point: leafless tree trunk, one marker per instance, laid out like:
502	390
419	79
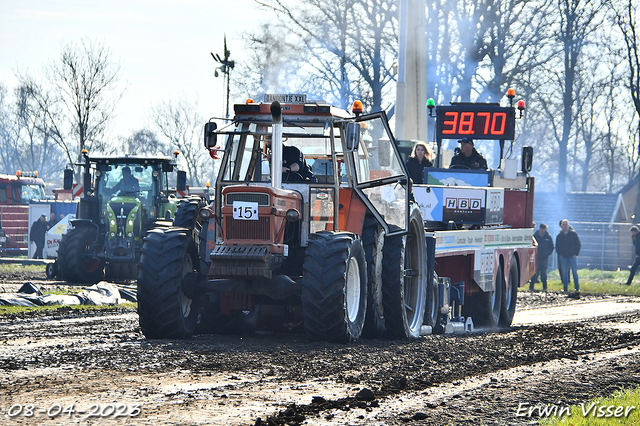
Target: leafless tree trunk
181	125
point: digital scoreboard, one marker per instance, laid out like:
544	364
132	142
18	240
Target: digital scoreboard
475	121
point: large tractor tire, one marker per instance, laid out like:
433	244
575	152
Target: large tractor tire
166	306
485	307
76	256
187	212
510	295
334	287
373	242
404	276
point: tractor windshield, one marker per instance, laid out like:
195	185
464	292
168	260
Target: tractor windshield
31	192
128	180
249	160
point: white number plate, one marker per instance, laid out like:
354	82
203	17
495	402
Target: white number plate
243	210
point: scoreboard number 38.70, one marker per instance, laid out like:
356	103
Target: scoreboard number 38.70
475	121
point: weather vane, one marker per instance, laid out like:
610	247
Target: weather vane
226	65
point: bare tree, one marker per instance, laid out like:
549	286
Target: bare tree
627	19
181	125
350	46
273	66
77	103
143	142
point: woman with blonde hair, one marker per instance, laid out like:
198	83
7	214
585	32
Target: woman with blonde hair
420	157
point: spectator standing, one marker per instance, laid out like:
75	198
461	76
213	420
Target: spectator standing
420	157
634	238
37	233
545	248
52	221
568	247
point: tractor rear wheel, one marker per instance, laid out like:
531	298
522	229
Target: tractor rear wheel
373	242
167	307
404	275
510	295
77	256
334	287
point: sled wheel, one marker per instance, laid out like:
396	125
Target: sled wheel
510	295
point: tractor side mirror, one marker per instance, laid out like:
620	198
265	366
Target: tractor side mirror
181	183
527	159
210	137
68	179
353	136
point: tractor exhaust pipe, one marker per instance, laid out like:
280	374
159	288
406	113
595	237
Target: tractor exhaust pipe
276	145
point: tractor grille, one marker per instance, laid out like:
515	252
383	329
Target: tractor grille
252	197
247	229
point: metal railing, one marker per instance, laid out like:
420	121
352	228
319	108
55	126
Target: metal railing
605	246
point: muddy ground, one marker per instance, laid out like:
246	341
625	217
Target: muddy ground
101	365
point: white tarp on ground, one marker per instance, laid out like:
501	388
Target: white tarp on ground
103	293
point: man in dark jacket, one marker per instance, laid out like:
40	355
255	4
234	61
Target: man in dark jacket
545	248
37	233
568	247
634	237
467	156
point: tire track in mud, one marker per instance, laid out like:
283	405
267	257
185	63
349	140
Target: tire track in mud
238	379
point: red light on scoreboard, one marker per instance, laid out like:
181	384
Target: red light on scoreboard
476	121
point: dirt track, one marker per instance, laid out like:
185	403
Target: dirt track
102	360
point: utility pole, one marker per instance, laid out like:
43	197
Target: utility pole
226	65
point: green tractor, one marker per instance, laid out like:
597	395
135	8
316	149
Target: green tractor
123	198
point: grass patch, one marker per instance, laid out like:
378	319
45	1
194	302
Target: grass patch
8	268
595	281
8	310
601	411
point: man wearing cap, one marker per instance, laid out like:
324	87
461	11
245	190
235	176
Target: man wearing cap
128	185
467	156
634	237
38	230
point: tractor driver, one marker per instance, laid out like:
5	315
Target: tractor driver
467	157
128	184
294	166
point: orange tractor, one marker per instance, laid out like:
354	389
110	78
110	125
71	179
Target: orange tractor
345	251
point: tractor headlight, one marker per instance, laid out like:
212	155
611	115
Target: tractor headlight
113	234
130	223
112	222
130	234
110	214
133	215
205	213
293	215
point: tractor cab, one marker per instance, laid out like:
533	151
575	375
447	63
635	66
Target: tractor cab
355	166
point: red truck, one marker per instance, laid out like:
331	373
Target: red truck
16	192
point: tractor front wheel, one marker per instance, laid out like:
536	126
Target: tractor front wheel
77	256
167	307
334	287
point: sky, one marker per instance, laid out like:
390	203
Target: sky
164	47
